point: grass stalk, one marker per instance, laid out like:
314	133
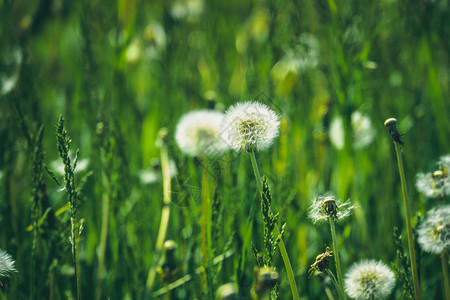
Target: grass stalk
205	225
408	222
165	214
336	284
282	247
104	231
445	275
336	258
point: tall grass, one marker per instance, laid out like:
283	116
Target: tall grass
118	72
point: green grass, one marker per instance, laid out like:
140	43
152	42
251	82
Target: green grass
75	59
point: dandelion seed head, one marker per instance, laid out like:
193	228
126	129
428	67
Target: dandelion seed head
198	133
328	206
434	230
369	279
6	264
435	184
363	131
250	126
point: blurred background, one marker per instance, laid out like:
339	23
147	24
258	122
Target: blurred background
118	71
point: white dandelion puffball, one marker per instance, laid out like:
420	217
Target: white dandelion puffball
6	264
250	126
435	184
434	230
363	131
328	206
198	133
369	279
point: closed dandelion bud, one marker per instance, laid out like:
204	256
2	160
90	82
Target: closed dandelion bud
267	278
369	279
227	292
391	125
434	230
250	127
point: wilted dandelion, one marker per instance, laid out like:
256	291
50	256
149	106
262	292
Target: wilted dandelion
435	184
328	206
369	279
198	133
250	126
363	131
6	264
434	231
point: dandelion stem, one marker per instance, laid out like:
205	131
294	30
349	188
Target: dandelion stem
408	221
335	283
284	254
336	256
165	214
445	275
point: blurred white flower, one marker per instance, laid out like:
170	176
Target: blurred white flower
434	230
250	126
155	40
189	10
198	133
328	206
155	173
134	51
58	165
435	184
369	279
303	57
6	264
363	131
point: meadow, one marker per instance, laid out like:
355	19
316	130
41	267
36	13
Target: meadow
91	93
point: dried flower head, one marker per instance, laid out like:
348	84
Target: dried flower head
6	264
250	126
328	206
198	133
321	264
435	184
434	230
369	279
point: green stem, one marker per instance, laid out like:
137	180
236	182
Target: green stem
336	256
104	232
282	247
408	222
445	275
206	237
75	255
335	283
165	215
